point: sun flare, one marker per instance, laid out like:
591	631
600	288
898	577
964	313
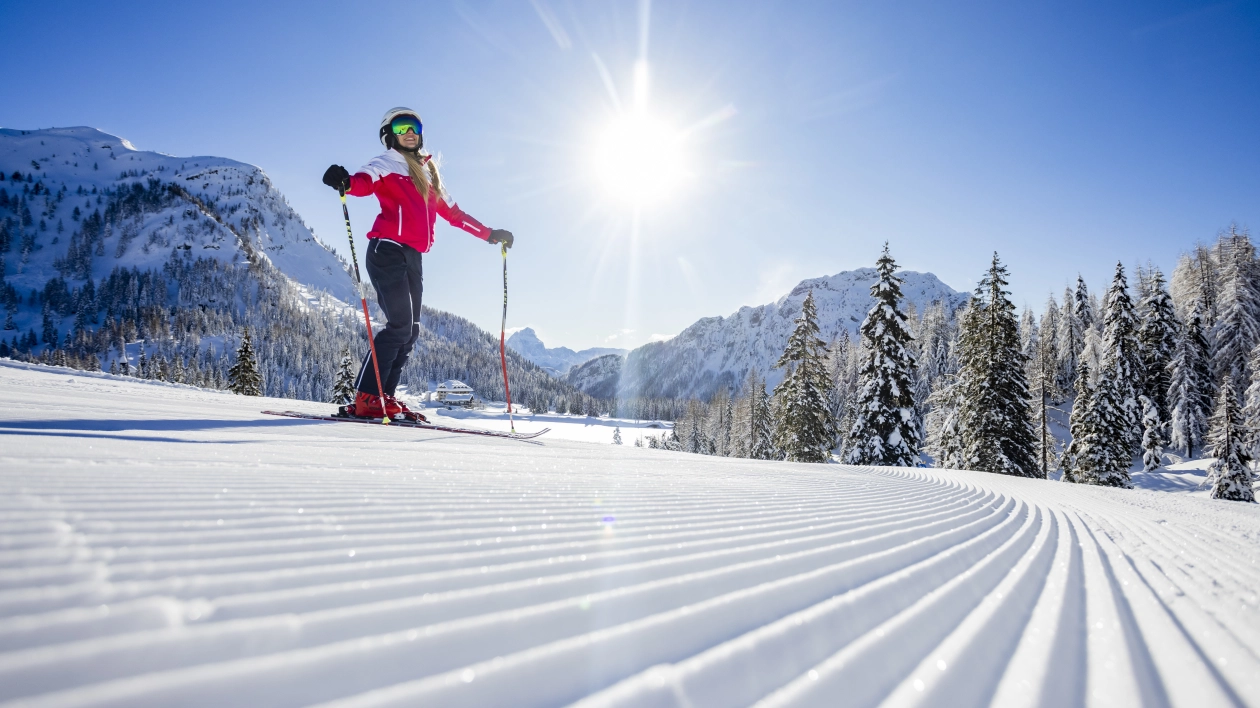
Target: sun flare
640	159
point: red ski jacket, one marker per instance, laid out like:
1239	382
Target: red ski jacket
405	216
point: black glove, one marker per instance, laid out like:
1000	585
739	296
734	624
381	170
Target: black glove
501	236
338	178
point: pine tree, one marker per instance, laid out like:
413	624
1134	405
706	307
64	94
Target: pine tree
944	440
1083	426
994	418
1122	365
886	430
1094	457
1158	339
1048	348
1229	475
49	327
1042	374
1029	337
1251	406
1152	436
1113	449
1237	329
803	427
617	435
936	347
1071	342
761	434
1189	392
343	386
1082	304
244	377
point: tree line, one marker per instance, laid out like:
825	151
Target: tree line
1156	365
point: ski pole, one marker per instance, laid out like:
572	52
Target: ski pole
367	320
502	350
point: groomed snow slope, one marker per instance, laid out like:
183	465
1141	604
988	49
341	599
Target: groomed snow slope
161	545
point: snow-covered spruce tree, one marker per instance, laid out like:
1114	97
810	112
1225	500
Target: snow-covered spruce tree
1189	390
1048	347
761	428
1122	365
1083	426
1157	337
840	392
1094	457
740	416
617	435
944	439
803	428
1229	475
1083	304
1152	436
885	429
1029	337
243	376
937	355
1071	341
846	377
343	386
1237	329
994	418
1114	453
1041	373
1251	406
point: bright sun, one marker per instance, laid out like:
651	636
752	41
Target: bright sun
640	159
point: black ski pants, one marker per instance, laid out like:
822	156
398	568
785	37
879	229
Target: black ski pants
398	277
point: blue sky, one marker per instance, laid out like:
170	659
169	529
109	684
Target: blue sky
1064	135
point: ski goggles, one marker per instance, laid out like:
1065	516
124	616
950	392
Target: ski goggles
404	124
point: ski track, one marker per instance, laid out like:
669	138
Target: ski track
161	545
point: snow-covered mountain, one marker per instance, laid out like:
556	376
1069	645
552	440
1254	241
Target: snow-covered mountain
209	207
597	377
718	352
556	360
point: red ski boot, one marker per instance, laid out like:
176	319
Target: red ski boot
368	405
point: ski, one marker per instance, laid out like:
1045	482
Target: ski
411	424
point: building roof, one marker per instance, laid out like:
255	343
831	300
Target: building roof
454	385
457	397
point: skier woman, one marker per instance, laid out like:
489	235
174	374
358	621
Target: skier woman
406	182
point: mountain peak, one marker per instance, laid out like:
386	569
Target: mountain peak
718	352
555	360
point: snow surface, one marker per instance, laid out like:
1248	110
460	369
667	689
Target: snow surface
162	545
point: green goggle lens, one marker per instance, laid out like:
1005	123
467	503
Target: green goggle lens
404	124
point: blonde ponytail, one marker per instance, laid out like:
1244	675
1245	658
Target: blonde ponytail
424	173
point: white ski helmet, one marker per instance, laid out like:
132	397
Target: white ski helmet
390	115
